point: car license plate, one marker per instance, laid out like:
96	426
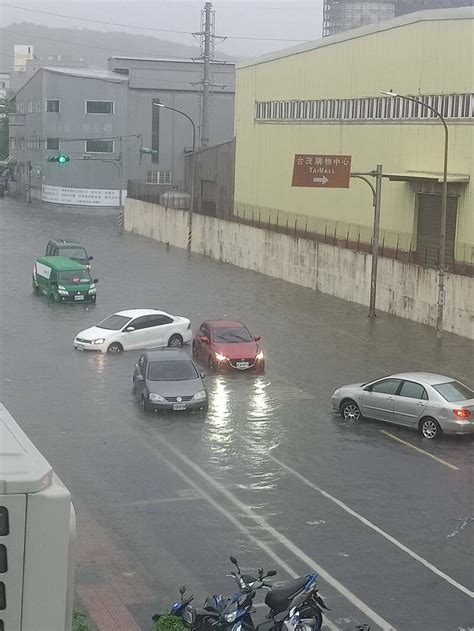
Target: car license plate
79	297
242	364
179	406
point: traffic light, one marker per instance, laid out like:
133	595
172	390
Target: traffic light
61	159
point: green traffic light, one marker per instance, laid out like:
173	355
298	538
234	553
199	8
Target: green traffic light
62	159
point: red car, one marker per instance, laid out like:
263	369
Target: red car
228	344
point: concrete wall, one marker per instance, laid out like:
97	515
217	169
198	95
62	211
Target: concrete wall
404	290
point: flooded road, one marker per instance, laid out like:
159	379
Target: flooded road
270	475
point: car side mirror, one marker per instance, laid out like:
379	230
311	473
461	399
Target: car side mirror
182	590
90	258
129	329
96	280
271	573
257	338
368	388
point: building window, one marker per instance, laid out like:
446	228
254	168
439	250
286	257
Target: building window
99	107
52	144
52	106
99	146
158	177
155	130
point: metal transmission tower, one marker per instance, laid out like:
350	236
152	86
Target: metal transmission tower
207	53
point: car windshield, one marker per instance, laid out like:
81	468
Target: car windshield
454	391
74	277
171	371
232	334
114	323
74	253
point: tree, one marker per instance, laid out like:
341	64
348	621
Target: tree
4	144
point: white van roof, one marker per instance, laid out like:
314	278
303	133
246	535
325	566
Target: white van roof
23	469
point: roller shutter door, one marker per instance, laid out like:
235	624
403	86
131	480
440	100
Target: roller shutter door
429	226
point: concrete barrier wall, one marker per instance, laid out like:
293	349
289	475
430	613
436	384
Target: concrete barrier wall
404	289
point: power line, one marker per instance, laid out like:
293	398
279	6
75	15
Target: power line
149	28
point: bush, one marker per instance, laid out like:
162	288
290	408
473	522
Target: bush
169	623
80	622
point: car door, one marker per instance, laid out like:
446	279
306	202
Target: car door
165	328
136	338
378	399
410	403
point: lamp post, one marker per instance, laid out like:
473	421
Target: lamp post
444	202
193	167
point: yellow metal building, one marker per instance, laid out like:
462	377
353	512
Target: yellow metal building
325	98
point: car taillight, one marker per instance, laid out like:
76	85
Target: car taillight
462	413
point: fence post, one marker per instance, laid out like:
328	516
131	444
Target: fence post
306	230
268	221
296	221
383	246
347	239
334	239
396	251
287	225
259	218
325	233
426	254
278	217
409	253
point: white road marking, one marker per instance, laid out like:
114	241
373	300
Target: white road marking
372	526
162	500
422	451
280	538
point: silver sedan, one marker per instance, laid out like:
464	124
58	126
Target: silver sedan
432	404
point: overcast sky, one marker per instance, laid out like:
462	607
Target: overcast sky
291	20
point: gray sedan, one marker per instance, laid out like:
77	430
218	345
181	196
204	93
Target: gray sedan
430	403
169	379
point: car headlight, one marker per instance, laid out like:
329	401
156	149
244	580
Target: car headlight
156	397
260	356
99	340
220	357
200	396
62	291
230	617
92	289
336	392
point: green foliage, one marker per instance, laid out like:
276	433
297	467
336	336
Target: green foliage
3	129
80	622
169	623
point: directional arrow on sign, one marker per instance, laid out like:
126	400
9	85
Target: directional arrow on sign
321	180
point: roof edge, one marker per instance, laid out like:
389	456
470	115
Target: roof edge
433	15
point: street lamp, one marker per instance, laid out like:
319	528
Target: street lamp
444	201
193	167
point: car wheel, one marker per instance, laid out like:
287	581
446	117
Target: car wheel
115	347
175	341
350	411
429	428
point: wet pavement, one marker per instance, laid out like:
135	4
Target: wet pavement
271	475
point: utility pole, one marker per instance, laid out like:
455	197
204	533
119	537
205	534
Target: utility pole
376	201
29	168
208	36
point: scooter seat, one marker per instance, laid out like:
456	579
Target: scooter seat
278	598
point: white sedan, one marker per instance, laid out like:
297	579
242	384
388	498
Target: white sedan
135	329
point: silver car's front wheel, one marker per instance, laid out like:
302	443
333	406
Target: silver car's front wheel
429	428
350	411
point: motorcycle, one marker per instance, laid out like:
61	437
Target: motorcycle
294	606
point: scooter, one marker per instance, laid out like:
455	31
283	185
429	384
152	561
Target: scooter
294	606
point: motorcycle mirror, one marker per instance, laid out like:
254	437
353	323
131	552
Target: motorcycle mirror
233	560
182	590
271	573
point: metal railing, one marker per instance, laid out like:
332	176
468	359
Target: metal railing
401	246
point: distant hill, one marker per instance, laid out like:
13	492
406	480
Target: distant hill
94	47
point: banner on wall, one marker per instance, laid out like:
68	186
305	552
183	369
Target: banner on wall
81	196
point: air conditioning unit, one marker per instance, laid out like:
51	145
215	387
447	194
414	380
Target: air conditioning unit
37	536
